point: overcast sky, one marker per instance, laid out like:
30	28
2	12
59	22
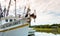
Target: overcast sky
47	11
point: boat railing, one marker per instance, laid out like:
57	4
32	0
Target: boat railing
13	23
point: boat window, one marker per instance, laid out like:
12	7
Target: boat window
11	20
14	19
6	20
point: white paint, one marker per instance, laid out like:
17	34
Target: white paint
17	32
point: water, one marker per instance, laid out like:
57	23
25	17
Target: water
45	34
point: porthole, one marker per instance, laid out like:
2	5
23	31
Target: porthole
11	20
6	20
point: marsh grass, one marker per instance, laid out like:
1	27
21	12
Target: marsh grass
48	30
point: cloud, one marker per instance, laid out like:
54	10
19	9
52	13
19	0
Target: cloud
47	11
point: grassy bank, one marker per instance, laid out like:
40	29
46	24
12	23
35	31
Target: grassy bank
54	28
48	30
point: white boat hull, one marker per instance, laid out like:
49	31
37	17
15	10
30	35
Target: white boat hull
22	31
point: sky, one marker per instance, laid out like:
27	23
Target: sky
47	11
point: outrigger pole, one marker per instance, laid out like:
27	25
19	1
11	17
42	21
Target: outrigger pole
15	8
8	8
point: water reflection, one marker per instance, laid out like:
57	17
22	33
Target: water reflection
45	34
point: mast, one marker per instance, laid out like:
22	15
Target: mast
0	11
8	8
15	8
33	15
28	13
4	11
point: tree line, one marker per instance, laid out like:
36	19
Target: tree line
47	26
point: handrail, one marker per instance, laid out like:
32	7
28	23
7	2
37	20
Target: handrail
11	24
13	28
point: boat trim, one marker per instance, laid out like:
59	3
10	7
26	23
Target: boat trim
21	26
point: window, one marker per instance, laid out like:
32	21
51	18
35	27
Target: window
11	20
6	20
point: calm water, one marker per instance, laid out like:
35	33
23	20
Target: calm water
45	34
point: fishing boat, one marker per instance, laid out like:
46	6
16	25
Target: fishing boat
14	25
